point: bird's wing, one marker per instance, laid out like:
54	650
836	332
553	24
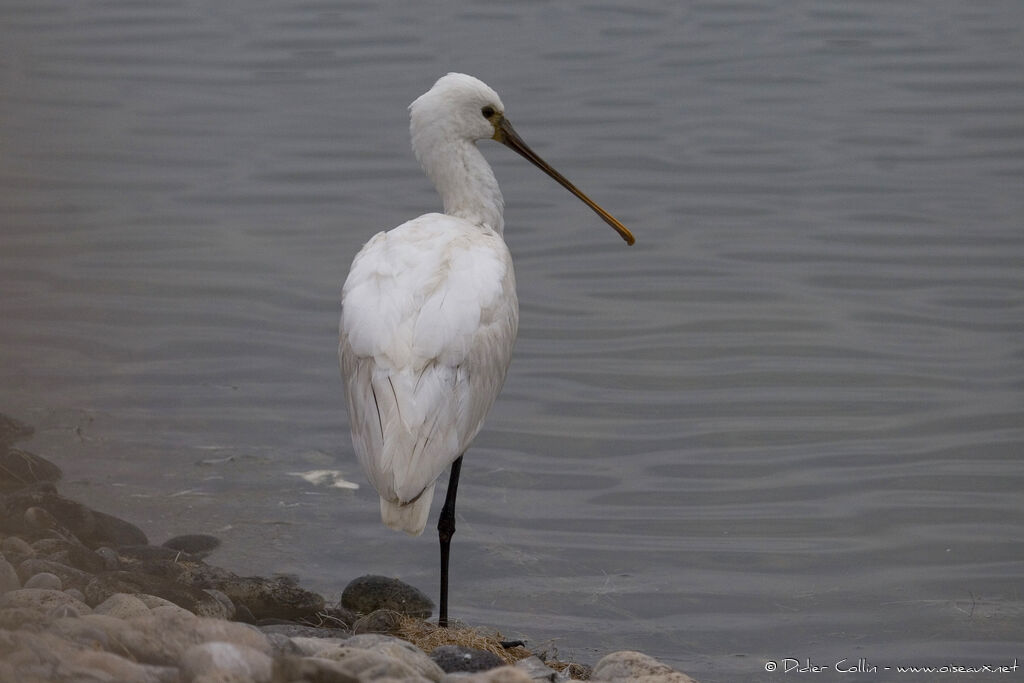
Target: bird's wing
429	316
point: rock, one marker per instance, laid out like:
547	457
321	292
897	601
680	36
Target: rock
503	674
35	509
45	580
370	665
311	669
68	553
399	650
69	576
198	602
371	592
162	636
76	594
122	606
226	661
12	430
633	667
196	545
13	618
107	666
136	554
20	468
80	631
339	617
111	560
459	658
224	600
303	631
14	547
380	621
45	602
40	519
9	579
538	670
276	598
113	531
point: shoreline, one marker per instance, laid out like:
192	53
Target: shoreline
85	596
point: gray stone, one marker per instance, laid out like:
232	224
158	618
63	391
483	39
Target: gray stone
227	661
162	637
45	580
196	545
68	553
503	674
224	600
41	600
112	531
9	580
539	671
371	664
69	576
197	601
122	606
107	666
312	669
634	667
371	592
379	621
20	468
459	658
12	547
301	630
270	598
110	558
400	650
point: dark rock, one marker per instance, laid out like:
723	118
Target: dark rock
69	576
369	593
278	598
380	621
115	532
458	658
68	553
244	614
193	599
197	545
37	508
9	579
45	580
338	617
20	468
40	519
12	430
138	554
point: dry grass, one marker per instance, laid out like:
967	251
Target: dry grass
427	636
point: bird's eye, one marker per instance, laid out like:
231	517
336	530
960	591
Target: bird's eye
487	111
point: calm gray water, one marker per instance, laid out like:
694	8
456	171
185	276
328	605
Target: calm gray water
789	422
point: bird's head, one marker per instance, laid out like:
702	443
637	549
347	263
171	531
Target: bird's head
463	106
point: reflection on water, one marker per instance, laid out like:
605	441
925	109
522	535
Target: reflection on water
787	423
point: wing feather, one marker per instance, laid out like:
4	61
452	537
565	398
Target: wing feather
429	317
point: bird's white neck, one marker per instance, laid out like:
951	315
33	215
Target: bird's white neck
464	180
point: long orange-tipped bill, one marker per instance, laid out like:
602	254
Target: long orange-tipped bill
506	135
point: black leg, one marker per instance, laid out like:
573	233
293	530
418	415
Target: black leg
445	531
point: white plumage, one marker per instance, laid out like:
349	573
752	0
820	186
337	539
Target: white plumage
429	312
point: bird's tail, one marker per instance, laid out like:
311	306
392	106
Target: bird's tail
409	517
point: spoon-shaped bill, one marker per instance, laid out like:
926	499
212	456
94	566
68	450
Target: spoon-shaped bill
506	135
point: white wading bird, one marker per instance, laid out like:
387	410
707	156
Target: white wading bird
429	314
